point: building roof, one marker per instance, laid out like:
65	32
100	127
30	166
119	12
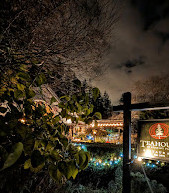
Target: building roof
45	93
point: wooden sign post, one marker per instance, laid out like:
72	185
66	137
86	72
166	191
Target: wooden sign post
126	142
126	108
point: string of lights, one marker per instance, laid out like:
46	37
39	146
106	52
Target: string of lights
110	125
98	162
107	124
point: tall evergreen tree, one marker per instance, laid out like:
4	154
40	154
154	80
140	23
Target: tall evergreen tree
107	112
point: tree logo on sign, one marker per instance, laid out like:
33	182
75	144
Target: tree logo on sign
159	131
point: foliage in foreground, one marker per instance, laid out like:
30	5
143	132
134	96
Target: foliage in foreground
30	137
138	185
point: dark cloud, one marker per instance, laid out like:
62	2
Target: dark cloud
130	64
152	11
163	36
136	54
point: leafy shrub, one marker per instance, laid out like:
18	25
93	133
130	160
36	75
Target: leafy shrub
139	183
32	140
113	185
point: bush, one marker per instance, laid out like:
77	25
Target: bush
112	184
139	183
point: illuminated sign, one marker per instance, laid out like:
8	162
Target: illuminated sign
153	139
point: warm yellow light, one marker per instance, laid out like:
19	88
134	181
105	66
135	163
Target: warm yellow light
162	164
148	153
92	124
94	131
69	121
100	161
109	124
22	121
139	159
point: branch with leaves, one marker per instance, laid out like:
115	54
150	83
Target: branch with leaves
32	138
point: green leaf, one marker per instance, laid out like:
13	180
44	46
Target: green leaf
87	112
30	93
82	158
61	105
64	141
28	144
50	146
18	94
20	87
56	119
3	109
55	155
41	79
23	76
62	166
85	164
71	149
65	97
91	108
97	115
76	156
67	168
63	113
36	159
43	142
52	100
74	169
38	169
35	61
75	172
55	173
2	90
27	164
79	107
24	68
13	156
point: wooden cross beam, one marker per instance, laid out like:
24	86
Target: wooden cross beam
126	108
142	107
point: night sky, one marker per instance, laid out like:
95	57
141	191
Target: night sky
140	47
